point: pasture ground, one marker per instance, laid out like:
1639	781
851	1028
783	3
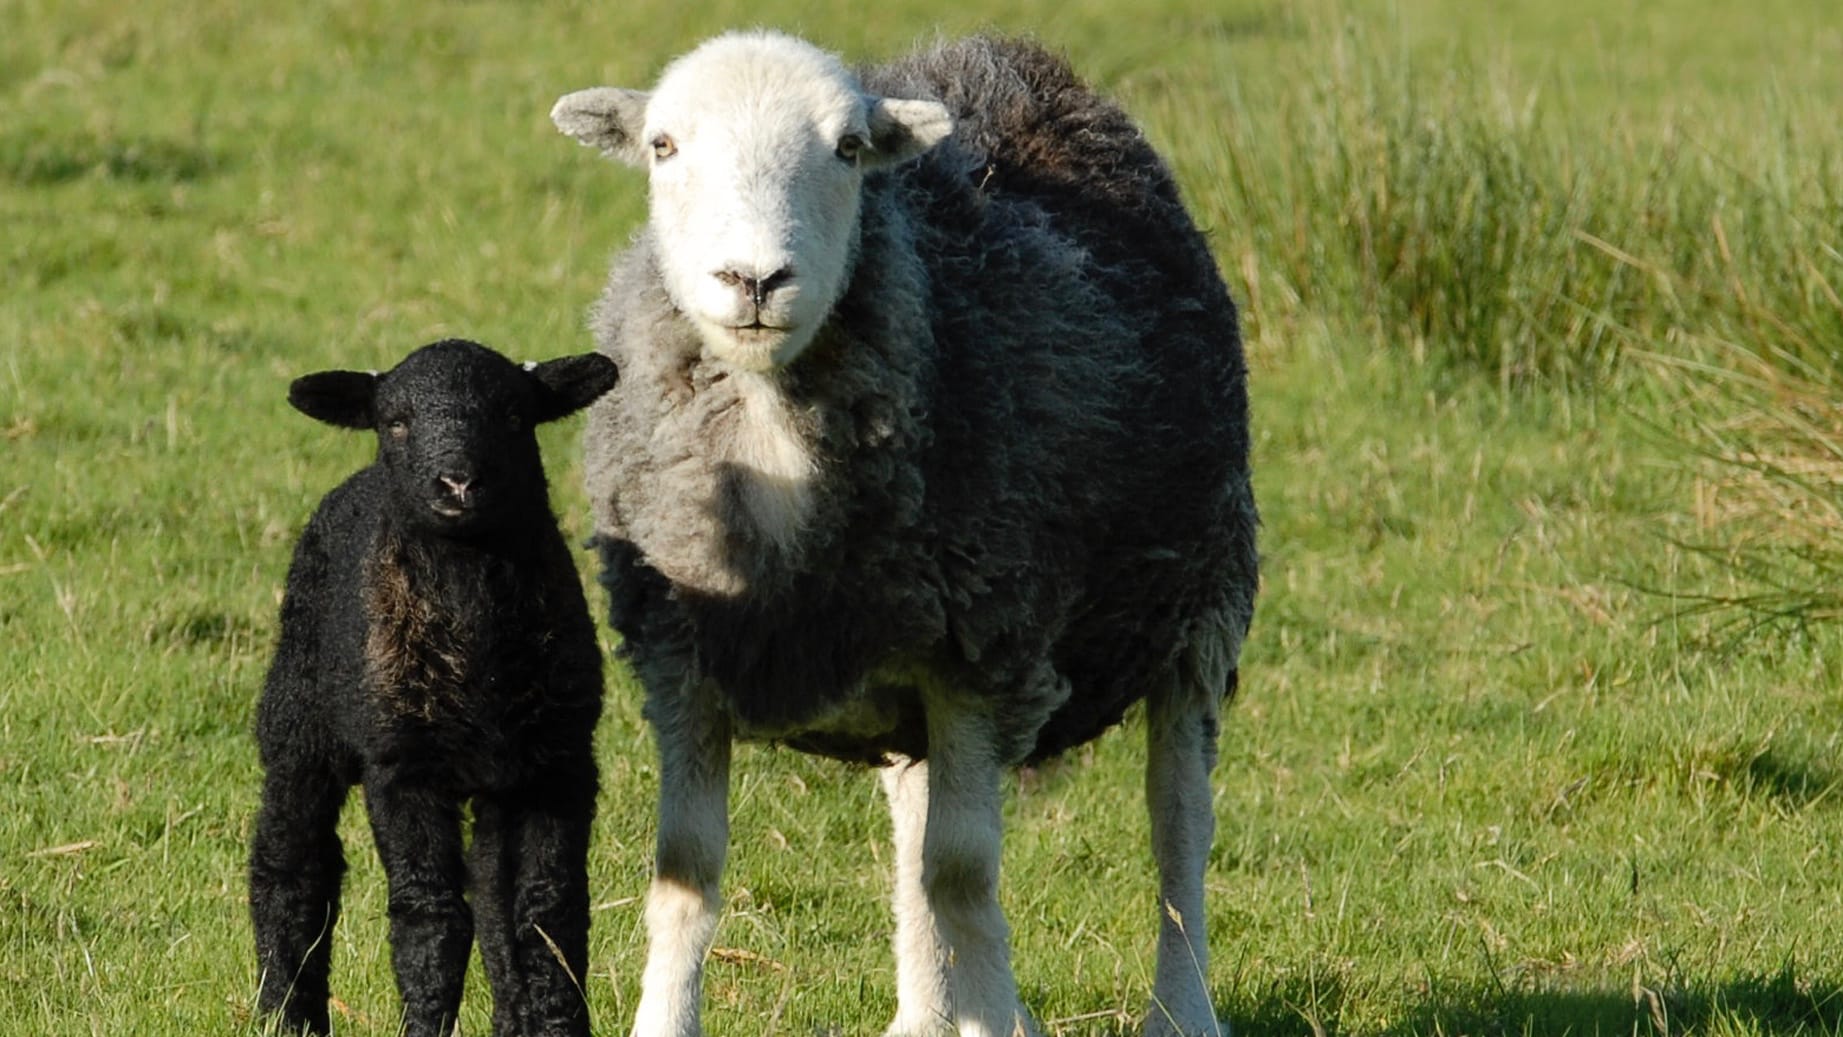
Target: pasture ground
1485	775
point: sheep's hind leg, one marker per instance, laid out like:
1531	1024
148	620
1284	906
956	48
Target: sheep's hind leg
296	864
922	1008
1181	730
959	868
683	901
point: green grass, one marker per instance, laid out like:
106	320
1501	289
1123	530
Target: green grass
1483	777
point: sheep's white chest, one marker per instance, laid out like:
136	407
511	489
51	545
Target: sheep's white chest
771	463
724	485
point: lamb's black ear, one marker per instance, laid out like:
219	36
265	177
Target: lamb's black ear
568	384
340	398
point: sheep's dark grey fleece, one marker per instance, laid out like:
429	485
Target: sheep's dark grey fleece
436	648
1031	423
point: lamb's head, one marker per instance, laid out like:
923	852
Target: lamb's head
455	423
756	146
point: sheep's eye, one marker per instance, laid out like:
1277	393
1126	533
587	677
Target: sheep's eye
398	428
664	147
515	421
850	146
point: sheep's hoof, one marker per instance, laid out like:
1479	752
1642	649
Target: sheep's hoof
1160	1024
1021	1026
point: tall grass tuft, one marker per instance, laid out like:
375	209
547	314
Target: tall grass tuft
1489	226
1492	226
1764	433
1755	362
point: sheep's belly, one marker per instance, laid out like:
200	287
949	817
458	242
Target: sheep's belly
880	719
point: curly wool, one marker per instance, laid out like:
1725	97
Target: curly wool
440	666
1024	435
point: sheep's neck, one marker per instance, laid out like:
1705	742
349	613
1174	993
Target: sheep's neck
767	467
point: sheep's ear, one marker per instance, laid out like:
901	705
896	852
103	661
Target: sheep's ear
340	398
605	117
901	130
568	384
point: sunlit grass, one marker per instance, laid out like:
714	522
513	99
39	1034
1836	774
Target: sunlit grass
1504	277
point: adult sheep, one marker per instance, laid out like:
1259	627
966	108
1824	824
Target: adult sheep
930	451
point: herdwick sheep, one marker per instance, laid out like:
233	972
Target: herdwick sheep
930	451
436	648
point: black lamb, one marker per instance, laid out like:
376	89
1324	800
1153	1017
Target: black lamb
436	649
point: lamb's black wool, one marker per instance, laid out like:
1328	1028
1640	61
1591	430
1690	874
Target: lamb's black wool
436	649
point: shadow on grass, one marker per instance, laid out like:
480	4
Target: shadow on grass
1781	1003
1794	779
47	159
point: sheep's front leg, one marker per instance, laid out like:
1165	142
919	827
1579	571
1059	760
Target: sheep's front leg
683	901
418	833
922	1007
1181	730
959	869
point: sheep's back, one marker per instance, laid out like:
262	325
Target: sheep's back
1091	418
1066	273
1026	126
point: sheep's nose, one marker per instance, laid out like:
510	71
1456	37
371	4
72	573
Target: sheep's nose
755	287
458	485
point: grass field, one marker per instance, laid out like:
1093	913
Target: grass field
1529	296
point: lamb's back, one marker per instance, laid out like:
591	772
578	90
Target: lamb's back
314	677
397	644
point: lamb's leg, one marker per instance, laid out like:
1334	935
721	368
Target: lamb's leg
1181	729
550	904
959	872
418	834
491	868
683	901
922	1007
296	864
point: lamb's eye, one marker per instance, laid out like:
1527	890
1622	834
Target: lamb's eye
515	421
398	428
664	147
850	146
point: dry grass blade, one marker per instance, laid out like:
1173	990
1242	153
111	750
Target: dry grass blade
1763	431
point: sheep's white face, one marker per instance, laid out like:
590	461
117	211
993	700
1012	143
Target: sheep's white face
756	147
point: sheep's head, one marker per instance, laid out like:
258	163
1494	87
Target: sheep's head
756	146
455	425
